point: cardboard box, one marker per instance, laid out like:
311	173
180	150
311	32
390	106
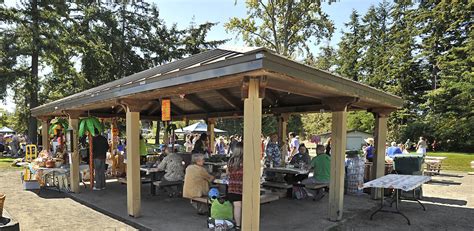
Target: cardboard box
31	185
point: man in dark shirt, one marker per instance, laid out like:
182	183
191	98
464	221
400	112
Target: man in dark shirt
100	146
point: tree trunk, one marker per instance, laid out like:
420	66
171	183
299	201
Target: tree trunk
91	161
32	97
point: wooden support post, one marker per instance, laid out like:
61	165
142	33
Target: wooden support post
44	133
338	152
212	136
75	158
283	135
252	149
166	139
157	134
378	169
133	163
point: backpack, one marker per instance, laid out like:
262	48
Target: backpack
221	215
299	192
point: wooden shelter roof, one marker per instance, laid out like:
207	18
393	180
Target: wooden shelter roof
210	84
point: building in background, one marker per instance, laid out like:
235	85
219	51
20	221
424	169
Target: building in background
355	139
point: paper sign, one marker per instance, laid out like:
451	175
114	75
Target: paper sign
165	110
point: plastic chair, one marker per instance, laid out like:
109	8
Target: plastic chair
31	152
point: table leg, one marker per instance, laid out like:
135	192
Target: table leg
396	206
381	205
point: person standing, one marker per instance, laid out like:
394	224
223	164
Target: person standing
236	174
294	145
272	152
369	150
233	142
421	146
201	145
15	145
220	146
189	143
327	146
100	146
143	150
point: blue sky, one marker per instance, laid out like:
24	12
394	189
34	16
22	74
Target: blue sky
182	12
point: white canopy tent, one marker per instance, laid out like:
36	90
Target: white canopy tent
6	130
199	127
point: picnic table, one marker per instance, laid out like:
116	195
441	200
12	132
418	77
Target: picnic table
287	170
397	182
154	173
434	164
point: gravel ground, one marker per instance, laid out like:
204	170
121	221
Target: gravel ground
50	210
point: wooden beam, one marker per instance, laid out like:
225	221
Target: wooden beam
210	131
379	157
252	149
133	164
44	132
156	106
338	149
199	103
229	99
282	135
271	97
75	158
175	109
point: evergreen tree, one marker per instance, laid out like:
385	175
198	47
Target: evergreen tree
350	49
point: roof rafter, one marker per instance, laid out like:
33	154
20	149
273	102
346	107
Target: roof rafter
199	103
229	99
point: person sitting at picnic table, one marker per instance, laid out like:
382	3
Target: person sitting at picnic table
196	182
321	165
172	164
235	171
299	160
393	150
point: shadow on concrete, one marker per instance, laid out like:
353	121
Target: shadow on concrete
443	182
445	201
436	217
163	213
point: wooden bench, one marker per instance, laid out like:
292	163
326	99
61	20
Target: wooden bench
433	166
264	198
167	183
317	188
272	184
144	180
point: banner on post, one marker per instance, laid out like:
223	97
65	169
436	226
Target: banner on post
165	110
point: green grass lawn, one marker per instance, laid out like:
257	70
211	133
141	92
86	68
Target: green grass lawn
455	161
6	164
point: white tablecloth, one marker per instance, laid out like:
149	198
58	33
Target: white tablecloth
149	170
403	182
